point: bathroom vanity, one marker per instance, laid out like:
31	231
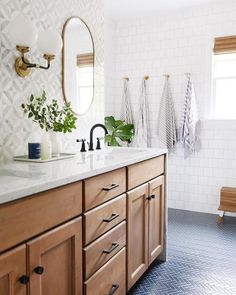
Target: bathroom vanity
89	225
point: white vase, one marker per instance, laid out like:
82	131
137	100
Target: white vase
56	144
46	147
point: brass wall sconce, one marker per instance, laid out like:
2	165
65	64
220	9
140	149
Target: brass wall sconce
23	33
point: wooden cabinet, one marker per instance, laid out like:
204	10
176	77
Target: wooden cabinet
23	219
123	232
101	188
103	249
137	233
145	219
13	278
103	218
142	172
156	218
55	262
109	279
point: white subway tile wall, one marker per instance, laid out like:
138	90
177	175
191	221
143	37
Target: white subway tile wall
174	43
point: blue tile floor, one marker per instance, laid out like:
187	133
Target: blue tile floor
202	258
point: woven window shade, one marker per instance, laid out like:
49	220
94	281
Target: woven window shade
225	45
85	60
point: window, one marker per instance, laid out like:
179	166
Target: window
85	87
224	78
224	86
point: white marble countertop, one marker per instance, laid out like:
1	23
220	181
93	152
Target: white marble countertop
20	179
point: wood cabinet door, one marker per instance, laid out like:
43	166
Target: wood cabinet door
13	279
55	261
156	217
137	233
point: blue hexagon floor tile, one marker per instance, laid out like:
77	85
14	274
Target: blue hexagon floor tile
202	258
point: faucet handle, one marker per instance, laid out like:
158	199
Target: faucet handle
98	147
83	149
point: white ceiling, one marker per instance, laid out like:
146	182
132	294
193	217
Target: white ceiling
132	8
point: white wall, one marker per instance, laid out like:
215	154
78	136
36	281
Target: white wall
15	129
175	43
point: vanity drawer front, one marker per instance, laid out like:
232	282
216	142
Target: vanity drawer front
145	171
28	217
104	187
103	218
105	247
110	277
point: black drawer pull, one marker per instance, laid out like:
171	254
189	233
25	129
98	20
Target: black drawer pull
113	247
109	188
153	196
113	216
114	288
24	280
39	270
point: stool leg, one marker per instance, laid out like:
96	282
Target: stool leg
220	217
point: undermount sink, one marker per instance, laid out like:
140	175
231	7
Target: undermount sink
20	173
120	152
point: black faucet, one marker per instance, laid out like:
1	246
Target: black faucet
91	135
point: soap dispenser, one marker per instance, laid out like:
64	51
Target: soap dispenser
46	147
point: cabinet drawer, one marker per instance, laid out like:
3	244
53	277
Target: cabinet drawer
33	215
100	251
109	278
102	188
144	171
103	218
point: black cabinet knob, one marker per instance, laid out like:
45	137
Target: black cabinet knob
153	196
24	279
149	198
39	270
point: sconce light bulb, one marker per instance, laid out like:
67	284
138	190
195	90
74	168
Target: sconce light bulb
22	32
49	42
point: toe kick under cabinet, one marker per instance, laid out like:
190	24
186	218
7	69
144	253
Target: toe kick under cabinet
96	236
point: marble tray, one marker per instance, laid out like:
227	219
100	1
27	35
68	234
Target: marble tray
62	156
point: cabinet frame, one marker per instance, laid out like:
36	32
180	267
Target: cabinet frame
72	231
14	262
139	193
153	207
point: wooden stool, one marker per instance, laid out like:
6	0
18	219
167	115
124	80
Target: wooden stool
227	202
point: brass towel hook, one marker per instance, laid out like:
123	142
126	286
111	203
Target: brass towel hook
146	77
187	74
167	76
126	78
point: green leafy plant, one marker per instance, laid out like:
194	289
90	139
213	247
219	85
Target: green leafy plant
118	130
50	116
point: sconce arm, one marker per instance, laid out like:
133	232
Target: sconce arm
23	66
33	65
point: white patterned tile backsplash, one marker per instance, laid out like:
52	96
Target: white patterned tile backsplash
15	130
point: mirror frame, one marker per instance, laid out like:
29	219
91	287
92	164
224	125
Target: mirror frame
63	62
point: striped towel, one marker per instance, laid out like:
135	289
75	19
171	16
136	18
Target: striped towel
126	113
190	126
167	127
142	126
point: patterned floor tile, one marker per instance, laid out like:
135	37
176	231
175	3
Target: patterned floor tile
202	258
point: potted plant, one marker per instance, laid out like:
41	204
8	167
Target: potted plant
118	131
50	117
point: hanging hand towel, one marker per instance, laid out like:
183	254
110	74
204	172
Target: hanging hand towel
167	128
190	125
126	113
142	127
